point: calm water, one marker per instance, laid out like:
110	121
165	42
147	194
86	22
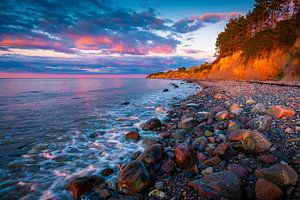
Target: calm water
54	129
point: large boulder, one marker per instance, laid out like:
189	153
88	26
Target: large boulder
260	123
280	174
134	178
251	141
281	111
82	185
185	156
265	190
152	155
151	125
218	185
188	123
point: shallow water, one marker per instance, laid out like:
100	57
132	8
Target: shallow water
54	129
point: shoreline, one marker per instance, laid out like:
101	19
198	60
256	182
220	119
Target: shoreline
202	140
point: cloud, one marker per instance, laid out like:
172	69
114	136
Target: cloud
196	22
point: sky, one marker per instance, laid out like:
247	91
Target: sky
111	36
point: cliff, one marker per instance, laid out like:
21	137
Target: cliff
276	64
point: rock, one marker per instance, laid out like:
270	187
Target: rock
193	105
239	170
235	109
149	141
259	108
184	156
211	140
250	102
168	167
213	161
221	116
260	123
152	155
207	171
166	90
224	150
164	135
218	96
107	172
179	134
126	103
251	141
265	190
218	185
232	125
151	124
280	174
157	194
159	185
132	135
267	158
187	123
134	178
281	111
208	133
105	193
289	130
82	185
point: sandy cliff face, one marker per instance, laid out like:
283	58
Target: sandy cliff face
274	65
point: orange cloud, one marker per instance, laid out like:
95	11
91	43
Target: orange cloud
23	42
161	49
85	42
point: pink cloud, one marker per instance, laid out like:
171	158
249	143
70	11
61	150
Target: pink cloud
214	17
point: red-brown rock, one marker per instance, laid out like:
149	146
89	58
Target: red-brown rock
267	158
132	135
185	156
213	161
224	150
281	111
265	190
152	155
168	167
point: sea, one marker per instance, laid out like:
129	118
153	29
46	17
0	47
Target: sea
52	130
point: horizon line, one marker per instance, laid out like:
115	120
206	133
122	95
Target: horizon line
28	75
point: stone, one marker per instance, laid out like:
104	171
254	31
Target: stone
164	135
157	194
267	158
250	141
82	185
159	185
152	155
213	161
185	156
250	102
259	108
289	130
207	171
132	135
166	90
107	172
208	133
260	123
149	141
239	170
211	140
265	190
221	116
193	105
151	124
224	150
280	174
179	134
134	178
187	123
235	109
105	193
281	111
232	125
168	167
218	96
218	185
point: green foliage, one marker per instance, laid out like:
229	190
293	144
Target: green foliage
260	30
279	76
181	69
205	66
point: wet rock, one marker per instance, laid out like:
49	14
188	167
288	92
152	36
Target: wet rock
235	109
218	96
224	150
179	134
267	158
208	133
134	178
159	185
207	171
221	116
280	174
259	108
166	90
82	185
149	141
232	125
239	170
132	135
281	111
152	155
105	193
265	190
165	135
157	194
126	103
187	123
184	156
193	105
107	172
260	123
213	161
289	130
168	167
151	124
250	102
251	141
218	185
